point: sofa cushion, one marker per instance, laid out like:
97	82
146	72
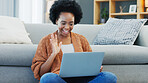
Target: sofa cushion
38	31
17	54
122	54
22	55
119	31
12	31
87	30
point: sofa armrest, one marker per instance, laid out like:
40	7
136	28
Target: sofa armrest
142	39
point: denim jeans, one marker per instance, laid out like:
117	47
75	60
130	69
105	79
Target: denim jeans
103	77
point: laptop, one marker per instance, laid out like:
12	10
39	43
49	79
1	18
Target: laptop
80	64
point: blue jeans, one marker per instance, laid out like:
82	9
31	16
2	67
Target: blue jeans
103	77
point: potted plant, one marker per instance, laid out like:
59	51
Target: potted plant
104	15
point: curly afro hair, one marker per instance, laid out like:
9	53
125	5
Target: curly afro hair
65	6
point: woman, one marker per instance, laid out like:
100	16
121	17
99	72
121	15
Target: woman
47	60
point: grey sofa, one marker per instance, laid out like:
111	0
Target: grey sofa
128	62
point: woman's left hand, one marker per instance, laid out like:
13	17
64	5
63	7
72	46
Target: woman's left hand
101	68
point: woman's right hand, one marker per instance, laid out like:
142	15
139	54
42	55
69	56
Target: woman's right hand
55	50
54	43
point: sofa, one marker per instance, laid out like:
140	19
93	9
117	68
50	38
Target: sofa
128	62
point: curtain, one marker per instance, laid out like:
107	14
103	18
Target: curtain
31	11
7	8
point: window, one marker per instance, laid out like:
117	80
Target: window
31	11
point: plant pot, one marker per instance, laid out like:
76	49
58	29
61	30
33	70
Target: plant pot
102	20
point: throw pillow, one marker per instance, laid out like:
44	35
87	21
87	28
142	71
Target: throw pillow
119	31
12	31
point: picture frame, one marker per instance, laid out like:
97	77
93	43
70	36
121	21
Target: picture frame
132	8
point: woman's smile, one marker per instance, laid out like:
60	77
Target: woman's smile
65	31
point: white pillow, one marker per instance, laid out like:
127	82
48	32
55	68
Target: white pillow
119	32
12	31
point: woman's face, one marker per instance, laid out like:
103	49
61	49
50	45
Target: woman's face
65	23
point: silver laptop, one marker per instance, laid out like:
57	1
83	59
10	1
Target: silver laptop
81	64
